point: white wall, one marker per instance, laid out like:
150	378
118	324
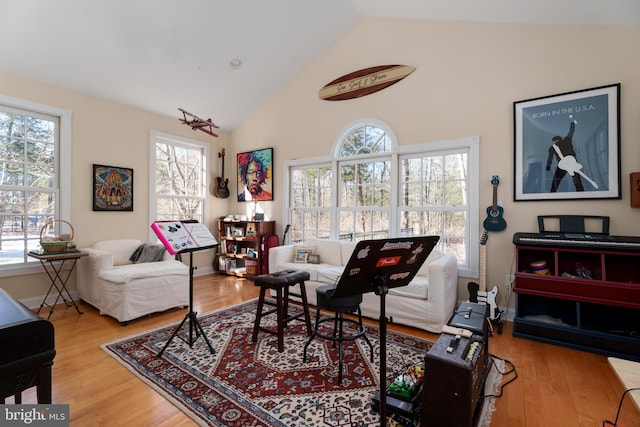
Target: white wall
107	133
467	77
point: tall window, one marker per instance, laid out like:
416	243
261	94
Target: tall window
312	196
371	188
178	178
434	198
365	183
30	181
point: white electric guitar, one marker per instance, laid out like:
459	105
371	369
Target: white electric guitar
478	292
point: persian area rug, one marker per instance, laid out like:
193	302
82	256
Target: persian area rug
251	384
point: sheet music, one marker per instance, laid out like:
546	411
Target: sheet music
200	233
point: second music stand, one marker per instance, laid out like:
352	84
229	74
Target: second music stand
376	266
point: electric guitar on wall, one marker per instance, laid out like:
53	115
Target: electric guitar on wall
478	292
222	189
284	235
494	220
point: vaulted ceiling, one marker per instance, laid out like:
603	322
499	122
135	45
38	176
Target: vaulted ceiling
159	55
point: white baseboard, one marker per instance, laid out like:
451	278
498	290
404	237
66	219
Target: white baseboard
201	271
33	303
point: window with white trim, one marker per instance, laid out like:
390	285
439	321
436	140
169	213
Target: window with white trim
178	178
370	188
34	147
433	198
311	196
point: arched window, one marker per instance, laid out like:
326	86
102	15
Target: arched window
370	187
365	170
365	138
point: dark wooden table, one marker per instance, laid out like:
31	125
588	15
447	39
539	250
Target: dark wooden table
54	265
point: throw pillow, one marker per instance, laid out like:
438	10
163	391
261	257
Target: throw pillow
147	253
313	259
301	254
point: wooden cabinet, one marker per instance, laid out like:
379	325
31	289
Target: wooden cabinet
240	251
590	300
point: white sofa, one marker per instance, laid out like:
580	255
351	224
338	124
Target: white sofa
426	303
109	281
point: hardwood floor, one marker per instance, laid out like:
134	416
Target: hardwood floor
555	386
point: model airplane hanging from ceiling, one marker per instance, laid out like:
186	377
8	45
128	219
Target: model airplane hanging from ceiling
196	123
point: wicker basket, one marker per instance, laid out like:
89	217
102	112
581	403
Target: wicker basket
55	245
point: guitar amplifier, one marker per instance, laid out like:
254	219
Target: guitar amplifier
471	316
455	372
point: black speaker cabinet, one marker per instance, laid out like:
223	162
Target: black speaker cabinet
454	382
455	371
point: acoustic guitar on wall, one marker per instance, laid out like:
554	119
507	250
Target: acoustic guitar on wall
221	190
494	220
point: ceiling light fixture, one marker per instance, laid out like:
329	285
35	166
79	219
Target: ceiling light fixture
235	63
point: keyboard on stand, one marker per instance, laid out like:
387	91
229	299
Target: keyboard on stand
629	243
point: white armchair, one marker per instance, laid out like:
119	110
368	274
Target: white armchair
109	281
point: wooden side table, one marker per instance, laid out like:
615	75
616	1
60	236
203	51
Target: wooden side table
53	265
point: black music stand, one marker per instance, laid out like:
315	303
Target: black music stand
194	325
376	266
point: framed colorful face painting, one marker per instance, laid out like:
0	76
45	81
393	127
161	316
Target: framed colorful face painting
112	188
255	175
567	146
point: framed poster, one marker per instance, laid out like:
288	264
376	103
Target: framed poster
567	146
255	175
112	188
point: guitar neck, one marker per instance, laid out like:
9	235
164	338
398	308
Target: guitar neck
483	272
495	198
286	231
222	155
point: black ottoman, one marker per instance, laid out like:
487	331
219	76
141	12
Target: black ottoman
281	282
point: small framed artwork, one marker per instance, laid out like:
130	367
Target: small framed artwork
251	230
237	232
567	146
301	256
112	188
313	259
255	175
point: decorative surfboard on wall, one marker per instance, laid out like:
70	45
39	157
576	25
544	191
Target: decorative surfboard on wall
364	82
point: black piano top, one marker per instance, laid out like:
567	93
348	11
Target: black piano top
579	240
23	334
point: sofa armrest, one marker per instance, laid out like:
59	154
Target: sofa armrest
87	271
280	255
97	259
443	285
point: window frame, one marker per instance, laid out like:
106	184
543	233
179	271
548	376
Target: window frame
62	168
154	138
470	144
